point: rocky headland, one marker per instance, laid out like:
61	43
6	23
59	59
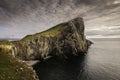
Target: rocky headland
65	40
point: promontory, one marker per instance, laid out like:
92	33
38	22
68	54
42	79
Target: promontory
64	40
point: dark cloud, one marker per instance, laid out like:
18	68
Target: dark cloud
31	16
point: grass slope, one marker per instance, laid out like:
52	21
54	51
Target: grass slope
50	32
13	69
54	30
3	42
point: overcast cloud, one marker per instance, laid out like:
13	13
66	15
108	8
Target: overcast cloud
21	17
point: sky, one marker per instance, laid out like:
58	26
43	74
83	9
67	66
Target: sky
19	18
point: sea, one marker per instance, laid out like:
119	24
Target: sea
101	62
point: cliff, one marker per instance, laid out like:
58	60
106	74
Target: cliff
12	68
64	40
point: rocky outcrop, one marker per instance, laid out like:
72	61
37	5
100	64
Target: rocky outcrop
64	40
8	48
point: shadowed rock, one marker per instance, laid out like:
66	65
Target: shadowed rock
64	40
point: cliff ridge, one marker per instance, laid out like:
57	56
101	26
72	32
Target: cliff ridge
64	40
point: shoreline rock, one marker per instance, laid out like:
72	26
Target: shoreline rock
64	40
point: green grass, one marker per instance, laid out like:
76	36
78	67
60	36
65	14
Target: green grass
10	69
5	42
54	30
50	32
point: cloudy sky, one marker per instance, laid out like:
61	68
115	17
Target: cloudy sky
21	17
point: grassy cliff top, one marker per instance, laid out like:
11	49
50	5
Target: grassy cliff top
13	69
54	30
5	42
50	32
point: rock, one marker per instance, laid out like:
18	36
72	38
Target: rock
21	69
64	40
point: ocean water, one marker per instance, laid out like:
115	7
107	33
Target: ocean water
102	62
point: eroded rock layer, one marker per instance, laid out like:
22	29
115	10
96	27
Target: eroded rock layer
64	40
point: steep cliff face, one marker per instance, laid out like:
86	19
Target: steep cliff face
64	40
12	68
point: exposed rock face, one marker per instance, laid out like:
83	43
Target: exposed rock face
8	48
64	40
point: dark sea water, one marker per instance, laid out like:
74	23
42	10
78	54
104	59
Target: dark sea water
102	62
